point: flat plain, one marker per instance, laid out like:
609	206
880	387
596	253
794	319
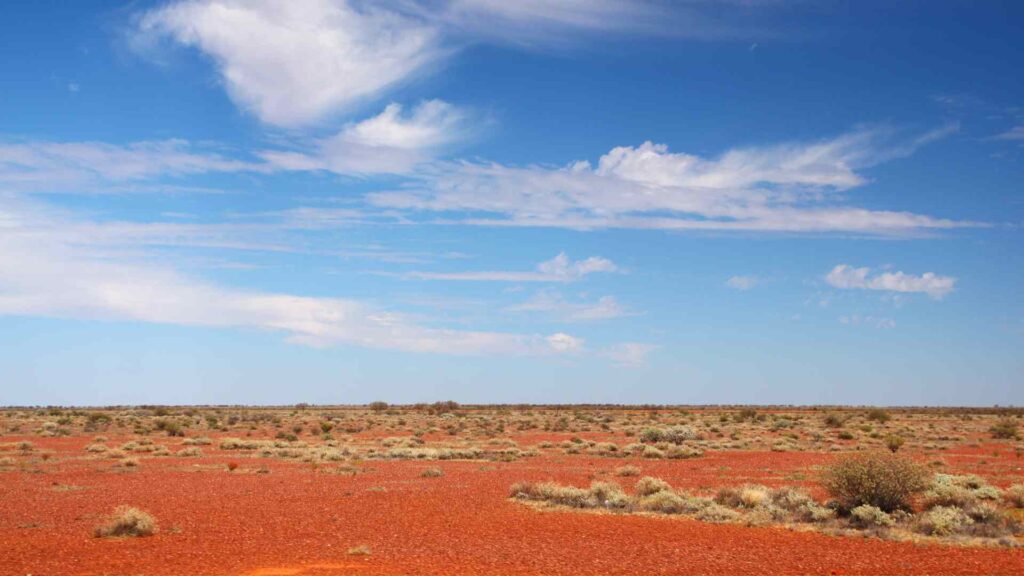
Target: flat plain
502	490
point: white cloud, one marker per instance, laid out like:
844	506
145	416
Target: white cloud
743	282
553	304
74	166
44	271
872	321
847	277
629	354
547	22
561	342
389	143
1015	133
783	188
558	269
291	62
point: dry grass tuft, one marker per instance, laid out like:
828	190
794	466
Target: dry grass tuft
361	550
127	522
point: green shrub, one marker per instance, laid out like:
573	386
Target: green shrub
881	480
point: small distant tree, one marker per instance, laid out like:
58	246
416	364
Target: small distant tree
378	406
443	407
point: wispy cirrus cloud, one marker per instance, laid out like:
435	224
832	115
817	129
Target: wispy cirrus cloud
742	282
99	166
847	277
1013	134
871	321
555	305
629	354
779	188
392	142
558	269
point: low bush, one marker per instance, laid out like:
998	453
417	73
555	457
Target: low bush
868	516
884	481
127	521
648	485
664	502
1014	495
943	521
1005	429
894	442
432	473
878	415
630	470
672	435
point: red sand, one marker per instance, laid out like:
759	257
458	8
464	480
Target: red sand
297	521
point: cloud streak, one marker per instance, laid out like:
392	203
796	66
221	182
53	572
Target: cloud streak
847	277
781	188
555	305
558	269
46	273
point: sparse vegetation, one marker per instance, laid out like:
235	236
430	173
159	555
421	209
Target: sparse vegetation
872	490
1005	429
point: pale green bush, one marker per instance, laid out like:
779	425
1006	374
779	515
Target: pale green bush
943	521
868	516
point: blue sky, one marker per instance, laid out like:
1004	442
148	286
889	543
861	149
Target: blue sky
333	201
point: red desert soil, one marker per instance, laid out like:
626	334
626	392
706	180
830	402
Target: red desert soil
296	521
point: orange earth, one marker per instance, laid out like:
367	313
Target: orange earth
298	520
